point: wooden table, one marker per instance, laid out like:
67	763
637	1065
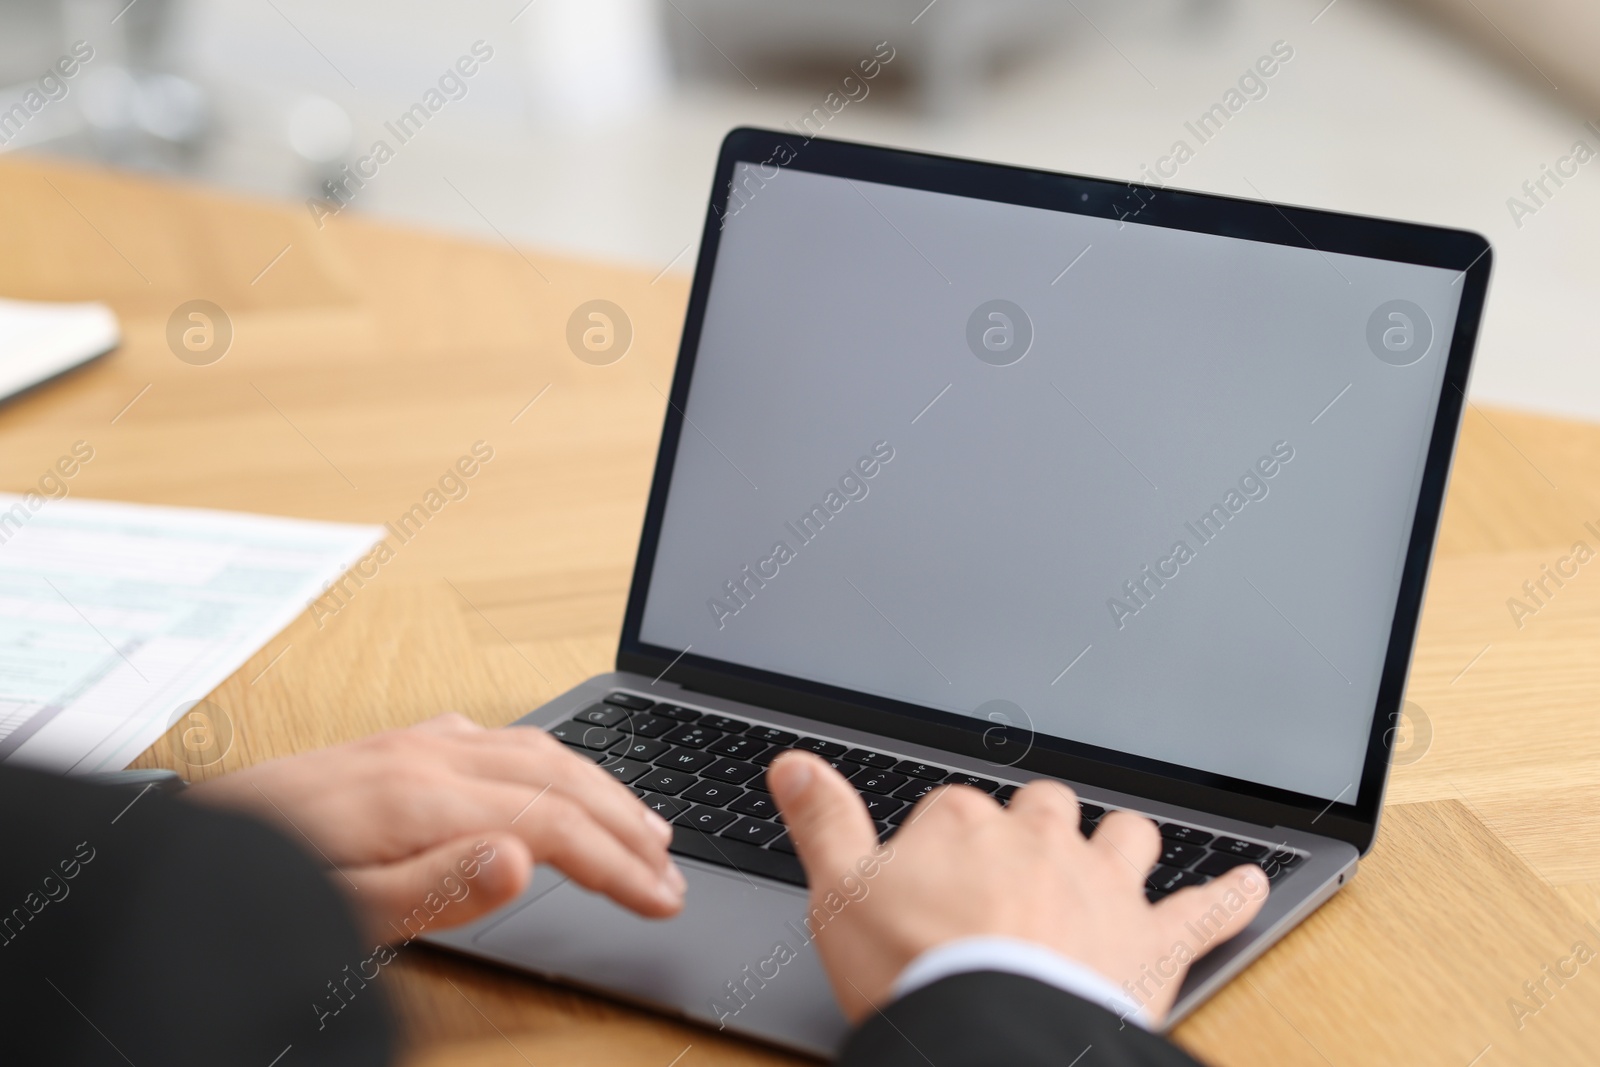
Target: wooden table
367	358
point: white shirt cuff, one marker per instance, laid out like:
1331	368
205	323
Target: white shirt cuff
1014	956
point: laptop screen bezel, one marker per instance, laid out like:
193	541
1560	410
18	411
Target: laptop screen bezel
1324	231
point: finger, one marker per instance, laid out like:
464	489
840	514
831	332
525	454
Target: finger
960	802
1204	916
567	836
450	884
827	821
448	723
404	817
531	757
1132	841
1047	799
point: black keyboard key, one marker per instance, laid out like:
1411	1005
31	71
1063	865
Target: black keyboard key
706	820
755	805
867	758
880	808
777	863
900	817
640	793
1178	854
1174	831
988	785
821	747
1279	864
753	831
641	749
628	700
731	770
686	759
626	770
668	808
843	766
693	736
1235	847
723	723
881	782
601	715
1155	896
759	783
1090	811
921	770
582	735
673	711
772	735
915	791
1005	793
662	780
715	794
782	844
766	758
745	748
645	724
1217	863
1171	879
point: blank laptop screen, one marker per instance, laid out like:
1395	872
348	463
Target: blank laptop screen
1132	486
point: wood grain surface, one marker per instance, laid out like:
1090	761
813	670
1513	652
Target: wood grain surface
367	357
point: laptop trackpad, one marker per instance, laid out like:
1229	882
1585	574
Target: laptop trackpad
738	955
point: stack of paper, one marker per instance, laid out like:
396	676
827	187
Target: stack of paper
115	618
40	341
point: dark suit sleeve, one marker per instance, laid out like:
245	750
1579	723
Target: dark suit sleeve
985	1018
159	932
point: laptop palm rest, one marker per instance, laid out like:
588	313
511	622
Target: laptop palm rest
738	956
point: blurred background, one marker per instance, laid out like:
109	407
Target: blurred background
591	126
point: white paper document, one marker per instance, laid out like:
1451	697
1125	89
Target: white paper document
115	618
41	340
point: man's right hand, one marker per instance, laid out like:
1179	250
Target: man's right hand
963	866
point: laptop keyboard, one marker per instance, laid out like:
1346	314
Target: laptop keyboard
706	774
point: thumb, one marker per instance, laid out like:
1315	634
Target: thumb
1204	916
445	886
828	823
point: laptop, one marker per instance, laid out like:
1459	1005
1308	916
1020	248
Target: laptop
980	474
